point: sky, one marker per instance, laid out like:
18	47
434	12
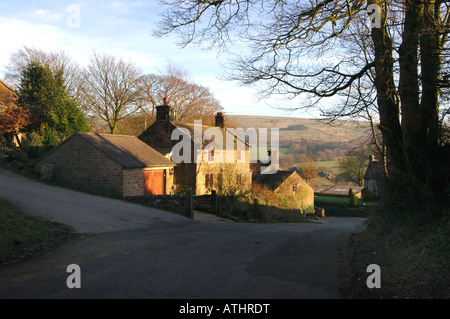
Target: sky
122	29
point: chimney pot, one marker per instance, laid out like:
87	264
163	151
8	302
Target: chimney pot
220	121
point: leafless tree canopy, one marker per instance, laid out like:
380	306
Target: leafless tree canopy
393	69
59	62
111	89
308	48
188	100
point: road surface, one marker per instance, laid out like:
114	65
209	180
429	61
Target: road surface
131	251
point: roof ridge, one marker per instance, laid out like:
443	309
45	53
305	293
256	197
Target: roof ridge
106	134
7	86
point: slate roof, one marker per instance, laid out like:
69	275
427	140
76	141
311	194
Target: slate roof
339	190
273	181
226	134
7	86
128	151
372	170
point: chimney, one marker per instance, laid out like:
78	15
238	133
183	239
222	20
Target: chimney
220	120
163	124
163	112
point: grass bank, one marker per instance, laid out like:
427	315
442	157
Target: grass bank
413	259
23	236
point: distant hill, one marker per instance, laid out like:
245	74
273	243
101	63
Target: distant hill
322	140
292	128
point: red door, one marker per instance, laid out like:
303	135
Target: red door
154	182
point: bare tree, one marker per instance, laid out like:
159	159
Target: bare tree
354	165
112	89
394	69
59	62
188	100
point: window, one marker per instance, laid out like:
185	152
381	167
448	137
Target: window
211	156
238	155
294	188
209	181
238	179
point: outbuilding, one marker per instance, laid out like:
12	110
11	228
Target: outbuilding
119	164
289	183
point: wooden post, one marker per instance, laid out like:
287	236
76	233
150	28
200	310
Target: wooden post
189	205
213	209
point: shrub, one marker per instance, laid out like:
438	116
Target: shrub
353	201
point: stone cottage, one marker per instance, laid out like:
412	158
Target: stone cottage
212	170
117	164
289	183
370	176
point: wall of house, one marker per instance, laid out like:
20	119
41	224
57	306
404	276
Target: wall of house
304	194
184	177
371	184
79	163
133	182
229	173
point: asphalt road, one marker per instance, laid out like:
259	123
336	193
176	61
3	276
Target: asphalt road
138	252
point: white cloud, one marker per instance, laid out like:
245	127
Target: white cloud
21	33
45	15
123	33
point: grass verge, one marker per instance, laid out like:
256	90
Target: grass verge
23	236
414	261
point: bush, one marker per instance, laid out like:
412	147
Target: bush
353	201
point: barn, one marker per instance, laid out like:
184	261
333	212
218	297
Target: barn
118	164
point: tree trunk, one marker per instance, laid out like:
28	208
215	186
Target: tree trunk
387	101
430	58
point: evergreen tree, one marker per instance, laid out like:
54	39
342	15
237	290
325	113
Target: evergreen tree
52	109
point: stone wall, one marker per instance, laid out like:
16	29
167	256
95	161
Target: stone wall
133	182
79	163
172	203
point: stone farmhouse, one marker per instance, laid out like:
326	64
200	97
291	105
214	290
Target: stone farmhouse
205	168
289	183
117	164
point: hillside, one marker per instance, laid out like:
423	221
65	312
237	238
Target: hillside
292	128
316	138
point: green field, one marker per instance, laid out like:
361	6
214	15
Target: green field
340	200
332	166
